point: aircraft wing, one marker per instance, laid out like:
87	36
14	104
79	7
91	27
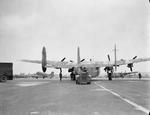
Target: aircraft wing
124	62
60	65
53	64
110	63
33	61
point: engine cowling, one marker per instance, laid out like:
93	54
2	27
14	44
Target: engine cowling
44	61
71	69
130	65
109	68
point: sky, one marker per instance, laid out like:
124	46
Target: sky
63	25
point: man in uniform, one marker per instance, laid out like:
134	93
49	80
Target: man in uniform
60	74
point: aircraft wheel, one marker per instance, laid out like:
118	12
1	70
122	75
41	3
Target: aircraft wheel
109	76
71	75
77	82
74	77
89	82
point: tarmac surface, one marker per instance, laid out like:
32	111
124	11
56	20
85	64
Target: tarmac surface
52	97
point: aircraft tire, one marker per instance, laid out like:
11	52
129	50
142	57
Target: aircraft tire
77	82
73	76
89	83
109	78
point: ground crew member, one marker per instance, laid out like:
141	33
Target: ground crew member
140	76
60	74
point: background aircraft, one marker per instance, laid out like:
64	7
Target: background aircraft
93	68
42	75
124	74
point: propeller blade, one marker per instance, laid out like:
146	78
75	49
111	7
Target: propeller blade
71	60
134	57
82	60
63	59
108	57
130	68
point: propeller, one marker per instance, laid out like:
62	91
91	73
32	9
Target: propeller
134	57
63	59
71	61
130	65
82	60
108	57
71	69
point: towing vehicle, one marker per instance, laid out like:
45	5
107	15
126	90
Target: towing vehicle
6	71
83	78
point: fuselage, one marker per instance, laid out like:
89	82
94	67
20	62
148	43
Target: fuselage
92	71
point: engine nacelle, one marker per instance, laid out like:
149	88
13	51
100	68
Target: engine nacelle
44	61
71	69
130	65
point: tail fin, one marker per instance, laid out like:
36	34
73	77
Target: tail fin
44	61
78	55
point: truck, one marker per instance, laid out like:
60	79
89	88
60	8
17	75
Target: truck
83	78
6	71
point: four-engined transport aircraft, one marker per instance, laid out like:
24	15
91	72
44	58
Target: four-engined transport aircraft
92	67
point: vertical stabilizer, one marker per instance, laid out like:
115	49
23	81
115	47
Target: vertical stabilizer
78	55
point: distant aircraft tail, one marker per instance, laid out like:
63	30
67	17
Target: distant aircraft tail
44	61
78	55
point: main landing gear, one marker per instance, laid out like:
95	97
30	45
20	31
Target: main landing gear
109	76
109	71
73	76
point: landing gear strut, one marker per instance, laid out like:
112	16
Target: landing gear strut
73	76
109	76
109	71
